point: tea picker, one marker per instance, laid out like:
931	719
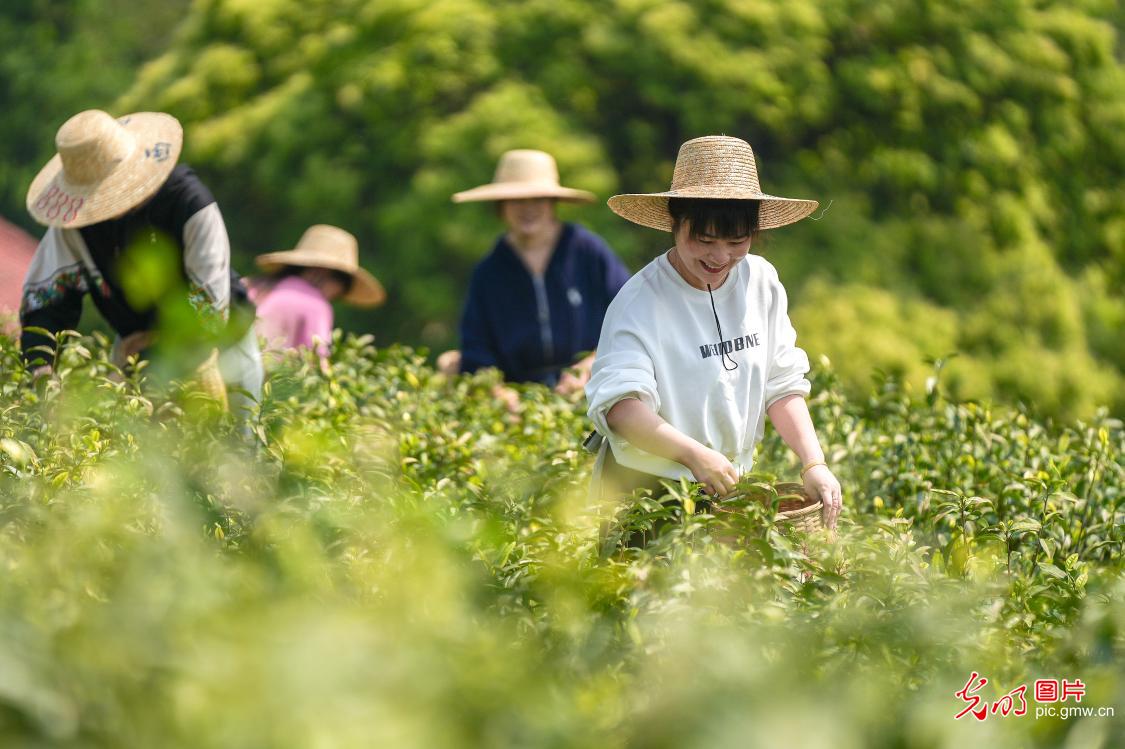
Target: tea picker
697	348
112	193
294	298
535	304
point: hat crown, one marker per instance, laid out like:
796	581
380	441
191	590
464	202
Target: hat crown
528	166
716	161
331	242
91	145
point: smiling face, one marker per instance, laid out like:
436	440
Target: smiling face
707	259
712	235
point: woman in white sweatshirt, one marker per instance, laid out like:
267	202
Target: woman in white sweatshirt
697	348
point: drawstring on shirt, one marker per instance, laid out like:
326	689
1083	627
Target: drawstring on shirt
722	345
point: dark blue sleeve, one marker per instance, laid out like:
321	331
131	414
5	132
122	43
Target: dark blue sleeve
478	347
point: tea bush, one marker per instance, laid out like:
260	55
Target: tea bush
389	558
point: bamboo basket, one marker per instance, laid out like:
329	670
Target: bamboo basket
795	510
210	379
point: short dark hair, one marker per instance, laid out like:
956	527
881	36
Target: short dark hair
715	217
347	280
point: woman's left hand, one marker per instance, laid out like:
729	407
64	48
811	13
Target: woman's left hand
130	345
572	381
820	483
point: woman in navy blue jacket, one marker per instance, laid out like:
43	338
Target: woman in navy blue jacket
535	304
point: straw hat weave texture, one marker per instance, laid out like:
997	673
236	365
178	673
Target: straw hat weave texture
104	167
712	167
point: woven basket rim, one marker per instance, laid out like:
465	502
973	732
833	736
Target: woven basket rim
804	517
801	512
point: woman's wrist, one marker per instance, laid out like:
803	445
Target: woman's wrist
692	454
811	464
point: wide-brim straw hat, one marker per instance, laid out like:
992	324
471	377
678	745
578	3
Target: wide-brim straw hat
713	167
104	167
522	174
324	246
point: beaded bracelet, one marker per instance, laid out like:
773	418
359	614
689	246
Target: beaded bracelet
811	466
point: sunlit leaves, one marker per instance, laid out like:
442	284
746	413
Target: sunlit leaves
388	556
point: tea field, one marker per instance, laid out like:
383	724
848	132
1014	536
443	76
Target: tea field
388	558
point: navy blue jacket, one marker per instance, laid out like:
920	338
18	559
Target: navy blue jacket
504	324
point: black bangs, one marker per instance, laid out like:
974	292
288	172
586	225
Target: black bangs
347	280
722	219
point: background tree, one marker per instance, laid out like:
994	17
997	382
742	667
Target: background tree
60	57
971	152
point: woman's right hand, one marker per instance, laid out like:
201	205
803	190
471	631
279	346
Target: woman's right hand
508	397
713	470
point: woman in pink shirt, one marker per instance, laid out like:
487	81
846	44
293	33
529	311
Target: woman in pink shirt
295	300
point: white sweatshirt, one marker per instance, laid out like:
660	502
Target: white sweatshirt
659	343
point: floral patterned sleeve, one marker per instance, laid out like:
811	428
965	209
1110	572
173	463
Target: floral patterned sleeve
57	279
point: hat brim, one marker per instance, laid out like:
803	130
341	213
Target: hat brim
522	191
366	291
54	201
651	209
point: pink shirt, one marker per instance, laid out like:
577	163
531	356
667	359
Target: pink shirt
292	314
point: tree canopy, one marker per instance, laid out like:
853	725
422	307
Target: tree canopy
968	155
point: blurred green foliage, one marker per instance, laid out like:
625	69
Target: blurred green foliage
60	57
393	559
971	151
